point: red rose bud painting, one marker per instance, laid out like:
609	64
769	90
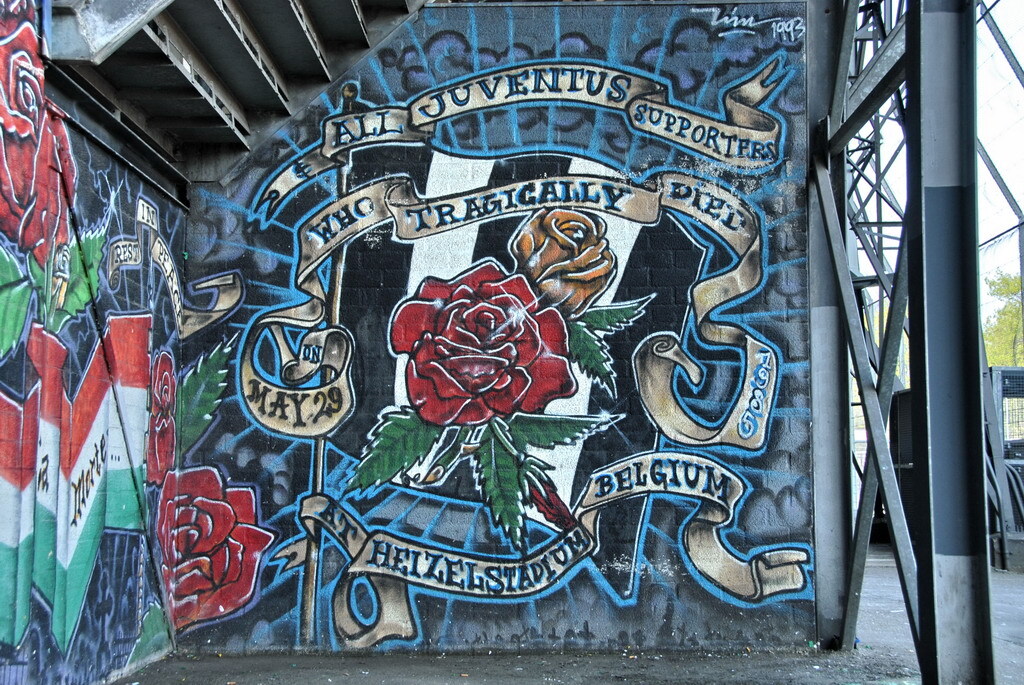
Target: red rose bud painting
162	438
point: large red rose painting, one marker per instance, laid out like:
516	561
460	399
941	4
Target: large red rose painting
488	351
37	172
42	258
481	347
211	546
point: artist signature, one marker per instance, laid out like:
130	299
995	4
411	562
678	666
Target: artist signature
757	402
789	29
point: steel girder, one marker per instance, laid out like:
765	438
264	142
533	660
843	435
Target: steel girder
893	257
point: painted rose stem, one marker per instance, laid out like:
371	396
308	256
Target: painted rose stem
311	565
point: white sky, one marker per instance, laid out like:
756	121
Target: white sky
1001	131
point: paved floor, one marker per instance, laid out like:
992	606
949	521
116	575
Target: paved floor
885	655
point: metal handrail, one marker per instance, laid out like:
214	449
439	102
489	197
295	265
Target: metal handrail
1016	498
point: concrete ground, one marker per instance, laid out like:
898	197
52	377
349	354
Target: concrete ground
885	654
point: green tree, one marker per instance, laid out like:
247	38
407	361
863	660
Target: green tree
1004	338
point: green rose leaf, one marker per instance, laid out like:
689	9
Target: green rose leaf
83	278
590	351
541	430
41	282
586	342
398	441
200	394
15	294
37	275
502	480
614	317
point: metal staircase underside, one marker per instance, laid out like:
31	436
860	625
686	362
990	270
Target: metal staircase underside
209	79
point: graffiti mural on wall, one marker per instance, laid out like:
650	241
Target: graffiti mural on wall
92	315
523	361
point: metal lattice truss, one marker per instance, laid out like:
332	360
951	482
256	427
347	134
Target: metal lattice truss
895	220
867	111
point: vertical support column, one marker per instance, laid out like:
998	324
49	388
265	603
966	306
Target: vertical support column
830	374
956	634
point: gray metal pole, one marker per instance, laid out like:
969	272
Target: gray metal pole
1020	258
945	355
830	375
